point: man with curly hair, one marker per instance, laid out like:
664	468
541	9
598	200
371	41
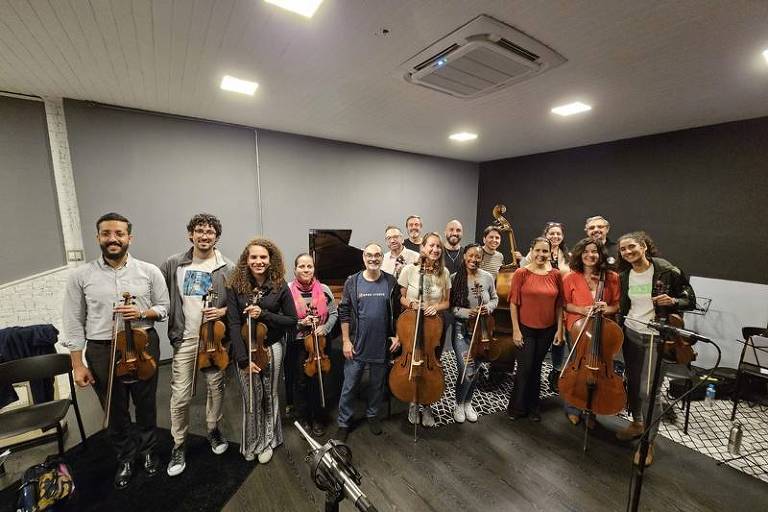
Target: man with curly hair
191	275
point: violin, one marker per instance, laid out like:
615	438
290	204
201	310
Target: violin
210	349
588	380
130	360
255	335
482	346
417	375
317	362
675	349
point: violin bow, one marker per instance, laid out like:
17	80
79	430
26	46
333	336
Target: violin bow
111	380
317	357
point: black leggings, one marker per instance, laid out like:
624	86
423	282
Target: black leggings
524	396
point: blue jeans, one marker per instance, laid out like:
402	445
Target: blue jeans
353	371
460	344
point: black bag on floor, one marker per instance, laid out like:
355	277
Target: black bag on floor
45	485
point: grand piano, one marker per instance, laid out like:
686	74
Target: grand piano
335	259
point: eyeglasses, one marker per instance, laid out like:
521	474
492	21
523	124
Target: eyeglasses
209	232
376	256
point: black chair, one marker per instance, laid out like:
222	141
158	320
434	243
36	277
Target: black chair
753	365
683	372
43	415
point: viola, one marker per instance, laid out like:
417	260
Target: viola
317	362
482	346
210	349
255	333
130	360
417	375
588	380
134	362
676	349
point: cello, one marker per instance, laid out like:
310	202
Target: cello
317	362
130	360
210	350
417	375
258	353
587	380
482	345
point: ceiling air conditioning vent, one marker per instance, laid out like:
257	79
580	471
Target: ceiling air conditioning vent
480	57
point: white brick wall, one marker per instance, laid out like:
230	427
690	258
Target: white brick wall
34	301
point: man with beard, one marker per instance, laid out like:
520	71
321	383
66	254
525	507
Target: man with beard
191	275
597	228
413	226
453	233
398	255
93	297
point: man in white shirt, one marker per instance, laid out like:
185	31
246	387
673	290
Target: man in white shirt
398	255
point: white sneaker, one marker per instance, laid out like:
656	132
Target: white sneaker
413	414
265	456
458	413
470	412
177	464
427	419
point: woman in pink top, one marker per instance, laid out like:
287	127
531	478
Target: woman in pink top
588	260
537	321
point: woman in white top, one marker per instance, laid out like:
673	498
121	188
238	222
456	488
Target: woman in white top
437	287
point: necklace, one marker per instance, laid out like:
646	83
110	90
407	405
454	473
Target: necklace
452	258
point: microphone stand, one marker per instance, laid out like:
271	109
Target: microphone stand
636	484
332	471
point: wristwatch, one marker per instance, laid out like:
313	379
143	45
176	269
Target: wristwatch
143	315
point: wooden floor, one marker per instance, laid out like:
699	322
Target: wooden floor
494	465
501	465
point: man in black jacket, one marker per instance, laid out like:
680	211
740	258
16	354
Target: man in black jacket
367	313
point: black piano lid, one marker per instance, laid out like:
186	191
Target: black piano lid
335	259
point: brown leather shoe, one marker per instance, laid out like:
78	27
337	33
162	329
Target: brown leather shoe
632	431
574	419
648	457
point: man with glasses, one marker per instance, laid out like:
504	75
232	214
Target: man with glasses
398	255
190	275
597	228
368	308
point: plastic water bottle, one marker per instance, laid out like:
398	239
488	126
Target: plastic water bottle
709	396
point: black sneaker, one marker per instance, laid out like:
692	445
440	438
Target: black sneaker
374	425
342	434
178	463
218	444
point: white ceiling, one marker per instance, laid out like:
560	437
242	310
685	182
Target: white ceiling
645	66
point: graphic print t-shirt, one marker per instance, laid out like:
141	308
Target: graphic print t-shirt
195	280
372	311
640	291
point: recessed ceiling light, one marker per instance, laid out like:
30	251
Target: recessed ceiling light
230	83
463	136
306	8
765	55
571	108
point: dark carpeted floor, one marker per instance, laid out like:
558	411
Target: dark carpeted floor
207	484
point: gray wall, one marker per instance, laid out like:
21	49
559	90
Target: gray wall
315	183
32	239
158	172
700	193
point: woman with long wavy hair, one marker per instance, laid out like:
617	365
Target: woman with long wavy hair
436	295
260	272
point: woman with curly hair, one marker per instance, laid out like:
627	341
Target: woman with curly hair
260	271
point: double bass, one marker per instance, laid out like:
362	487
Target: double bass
482	345
210	349
255	332
317	361
130	360
417	375
588	380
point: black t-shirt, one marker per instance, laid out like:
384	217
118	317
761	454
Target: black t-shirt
453	259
